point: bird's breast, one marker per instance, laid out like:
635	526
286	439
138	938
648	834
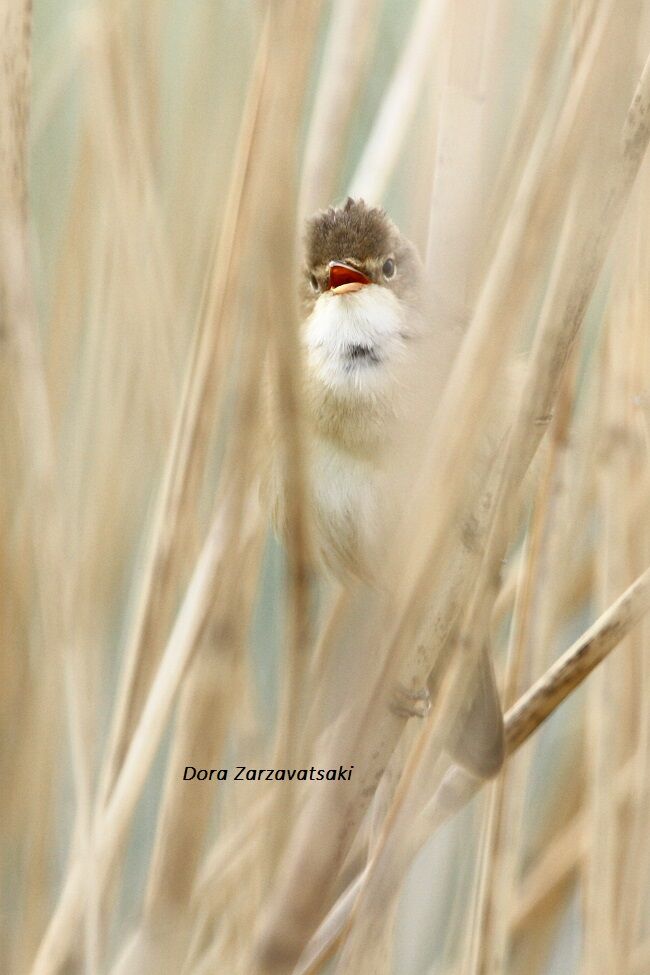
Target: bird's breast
346	503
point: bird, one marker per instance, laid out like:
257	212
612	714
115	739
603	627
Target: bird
369	351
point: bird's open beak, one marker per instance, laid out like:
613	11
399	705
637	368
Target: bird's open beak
345	278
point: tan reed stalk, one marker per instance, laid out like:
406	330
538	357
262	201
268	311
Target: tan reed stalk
188	627
33	440
576	304
220	862
554	339
187	456
558	863
577	662
466	104
206	705
521	721
605	706
574	593
292	34
500	856
467	363
376	900
279	245
223	45
488	331
628	318
371	913
636	857
565	793
348	46
120	364
111	279
391	124
560	680
539	374
535	955
238	880
276	234
217	695
205	710
533	629
287	394
615	705
200	373
523	129
119	128
102	276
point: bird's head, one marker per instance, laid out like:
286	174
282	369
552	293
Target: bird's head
353	246
361	287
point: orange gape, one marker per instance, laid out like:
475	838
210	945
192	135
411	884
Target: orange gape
341	274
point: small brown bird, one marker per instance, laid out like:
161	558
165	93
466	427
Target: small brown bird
362	339
369	351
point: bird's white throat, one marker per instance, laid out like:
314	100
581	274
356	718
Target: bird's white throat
359	366
355	342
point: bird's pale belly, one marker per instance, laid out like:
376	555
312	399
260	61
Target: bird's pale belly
345	494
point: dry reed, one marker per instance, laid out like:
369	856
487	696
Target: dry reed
153	181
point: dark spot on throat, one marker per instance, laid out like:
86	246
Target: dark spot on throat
362	353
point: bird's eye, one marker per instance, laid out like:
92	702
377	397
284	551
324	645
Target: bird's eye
388	270
313	280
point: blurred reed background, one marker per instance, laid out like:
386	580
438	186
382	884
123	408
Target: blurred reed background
154	176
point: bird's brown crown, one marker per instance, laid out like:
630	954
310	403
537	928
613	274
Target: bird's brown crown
352	230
